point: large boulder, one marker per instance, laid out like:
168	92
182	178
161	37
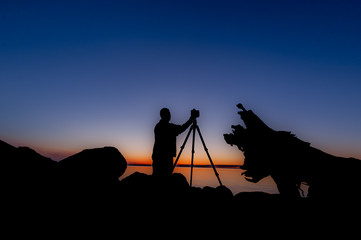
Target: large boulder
168	193
28	178
98	165
143	186
24	167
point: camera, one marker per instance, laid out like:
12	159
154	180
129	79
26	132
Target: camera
195	113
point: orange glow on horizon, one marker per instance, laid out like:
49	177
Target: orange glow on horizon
187	161
231	157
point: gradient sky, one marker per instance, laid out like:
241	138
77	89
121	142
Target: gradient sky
84	74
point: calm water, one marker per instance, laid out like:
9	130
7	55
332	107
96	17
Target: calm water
230	177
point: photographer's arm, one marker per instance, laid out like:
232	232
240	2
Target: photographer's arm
186	124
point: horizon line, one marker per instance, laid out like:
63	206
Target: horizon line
189	165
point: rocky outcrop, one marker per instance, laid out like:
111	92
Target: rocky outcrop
38	180
23	168
98	165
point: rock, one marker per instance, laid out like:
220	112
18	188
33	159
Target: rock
98	165
90	180
154	189
256	196
23	167
28	178
174	191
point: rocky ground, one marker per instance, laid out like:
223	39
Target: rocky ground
86	187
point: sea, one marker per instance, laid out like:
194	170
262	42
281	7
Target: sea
205	176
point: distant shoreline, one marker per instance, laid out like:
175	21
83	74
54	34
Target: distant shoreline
188	165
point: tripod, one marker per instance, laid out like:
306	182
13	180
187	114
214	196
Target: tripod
193	129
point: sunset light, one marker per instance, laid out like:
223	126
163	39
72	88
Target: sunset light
75	77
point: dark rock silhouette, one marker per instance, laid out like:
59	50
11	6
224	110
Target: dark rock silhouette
90	178
24	169
85	188
94	166
140	188
291	161
92	174
150	188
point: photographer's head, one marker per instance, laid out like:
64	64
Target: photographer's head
165	114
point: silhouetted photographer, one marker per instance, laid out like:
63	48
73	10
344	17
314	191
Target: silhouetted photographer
165	142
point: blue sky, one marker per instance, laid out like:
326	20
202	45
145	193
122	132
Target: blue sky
83	74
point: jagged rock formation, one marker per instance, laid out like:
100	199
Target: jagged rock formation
24	169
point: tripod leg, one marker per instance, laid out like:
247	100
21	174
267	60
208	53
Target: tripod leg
194	134
209	157
182	147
